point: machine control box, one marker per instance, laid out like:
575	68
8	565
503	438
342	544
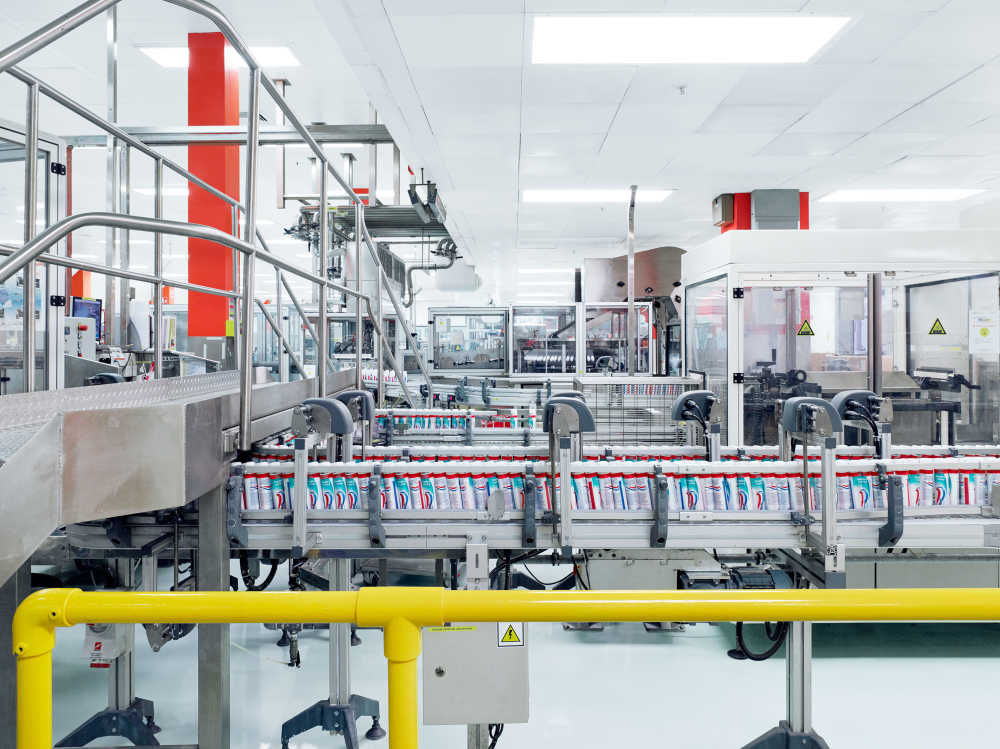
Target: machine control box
80	337
475	673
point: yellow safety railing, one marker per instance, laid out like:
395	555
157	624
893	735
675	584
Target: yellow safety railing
401	612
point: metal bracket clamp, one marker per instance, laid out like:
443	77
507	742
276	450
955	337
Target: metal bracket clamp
658	533
529	537
485	392
526	437
300	495
890	533
376	531
235	530
118	532
468	428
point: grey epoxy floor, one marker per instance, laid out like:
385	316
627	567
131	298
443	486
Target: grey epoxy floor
898	685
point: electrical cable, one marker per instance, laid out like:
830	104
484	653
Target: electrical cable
546	583
495	731
776	634
248	580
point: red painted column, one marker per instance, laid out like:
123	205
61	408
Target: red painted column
803	210
213	99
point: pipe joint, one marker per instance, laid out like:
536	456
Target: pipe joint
36	619
422	607
402	640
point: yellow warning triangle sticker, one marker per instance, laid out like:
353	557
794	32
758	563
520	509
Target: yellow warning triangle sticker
937	328
805	328
510	635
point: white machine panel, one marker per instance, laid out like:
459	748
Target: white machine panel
476	673
80	336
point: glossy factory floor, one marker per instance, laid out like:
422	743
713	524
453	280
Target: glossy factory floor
915	686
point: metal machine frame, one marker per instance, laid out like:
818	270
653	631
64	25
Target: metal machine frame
435	312
788	258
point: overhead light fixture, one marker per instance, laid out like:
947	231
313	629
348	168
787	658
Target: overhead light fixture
901	195
593	196
678	40
268	57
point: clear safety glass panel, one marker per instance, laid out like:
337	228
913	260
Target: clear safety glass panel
544	340
799	340
952	331
706	337
472	341
343	338
12	291
607	339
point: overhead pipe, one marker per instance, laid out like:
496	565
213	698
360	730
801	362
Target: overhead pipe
447	245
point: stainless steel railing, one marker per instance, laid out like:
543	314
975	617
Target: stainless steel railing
35	247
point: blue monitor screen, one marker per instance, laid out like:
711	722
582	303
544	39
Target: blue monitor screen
83	307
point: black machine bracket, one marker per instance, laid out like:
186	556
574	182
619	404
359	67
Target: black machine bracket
235	529
376	531
783	737
485	392
529	536
135	723
890	533
339	718
658	533
118	532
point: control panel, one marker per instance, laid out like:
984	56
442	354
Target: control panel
80	337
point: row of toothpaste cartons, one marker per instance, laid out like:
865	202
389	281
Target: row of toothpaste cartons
435	421
694	486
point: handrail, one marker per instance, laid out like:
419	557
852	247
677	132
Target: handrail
399	314
402	612
20	50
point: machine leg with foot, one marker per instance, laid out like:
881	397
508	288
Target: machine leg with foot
342	709
796	732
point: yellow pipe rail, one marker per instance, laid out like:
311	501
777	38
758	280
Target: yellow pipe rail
401	612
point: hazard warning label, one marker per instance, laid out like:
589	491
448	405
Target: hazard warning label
937	328
805	328
510	634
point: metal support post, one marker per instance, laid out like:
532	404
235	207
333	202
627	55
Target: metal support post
631	327
798	664
379	376
236	284
249	233
213	639
875	333
299	496
12	592
359	222
124	249
565	503
714	438
322	344
279	302
339	575
30	216
158	342
111	199
395	174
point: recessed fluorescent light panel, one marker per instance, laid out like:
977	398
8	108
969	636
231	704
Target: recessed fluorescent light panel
902	195
593	196
677	40
268	57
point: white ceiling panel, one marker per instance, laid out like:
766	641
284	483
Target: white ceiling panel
840	115
871	33
735	6
444	90
565	145
750	118
929	43
808	144
628	159
460	40
593	6
567	118
673	99
449	7
576	84
966	144
790	84
938	116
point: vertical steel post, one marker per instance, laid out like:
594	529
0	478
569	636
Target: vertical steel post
875	333
395	174
828	467
798	665
249	234
125	254
110	290
158	272
213	639
383	340
236	282
323	344
121	681
359	222
339	575
279	303
631	327
30	216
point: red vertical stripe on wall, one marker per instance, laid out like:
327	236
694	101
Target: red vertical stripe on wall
213	99
803	210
